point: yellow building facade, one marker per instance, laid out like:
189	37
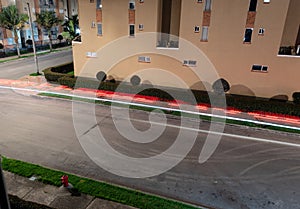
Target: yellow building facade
155	39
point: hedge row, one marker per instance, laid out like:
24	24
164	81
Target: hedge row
54	73
244	103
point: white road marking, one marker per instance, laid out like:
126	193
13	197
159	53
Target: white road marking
223	134
177	110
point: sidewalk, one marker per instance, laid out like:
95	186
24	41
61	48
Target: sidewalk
54	197
38	83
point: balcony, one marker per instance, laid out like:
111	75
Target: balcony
167	41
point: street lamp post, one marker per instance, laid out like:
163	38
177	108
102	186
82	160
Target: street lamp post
33	42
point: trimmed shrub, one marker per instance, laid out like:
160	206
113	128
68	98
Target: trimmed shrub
54	76
135	80
1	46
67	81
54	73
296	97
243	103
220	86
63	68
101	76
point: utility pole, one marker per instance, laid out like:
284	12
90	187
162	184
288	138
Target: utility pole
4	202
33	42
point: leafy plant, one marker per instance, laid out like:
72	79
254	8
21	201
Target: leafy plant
71	26
12	20
47	20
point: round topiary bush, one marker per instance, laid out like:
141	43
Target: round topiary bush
296	97
135	80
29	42
1	46
220	86
101	76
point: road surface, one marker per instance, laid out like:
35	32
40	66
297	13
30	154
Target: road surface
22	67
241	173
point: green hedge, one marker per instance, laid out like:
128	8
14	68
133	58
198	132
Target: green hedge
243	103
54	73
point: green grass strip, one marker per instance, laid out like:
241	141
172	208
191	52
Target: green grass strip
91	187
206	118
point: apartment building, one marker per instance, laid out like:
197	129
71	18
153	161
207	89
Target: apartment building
63	9
241	39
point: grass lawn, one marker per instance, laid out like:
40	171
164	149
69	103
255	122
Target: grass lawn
94	188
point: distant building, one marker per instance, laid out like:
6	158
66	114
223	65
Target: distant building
62	8
242	38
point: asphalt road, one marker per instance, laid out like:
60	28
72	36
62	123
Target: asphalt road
241	173
22	67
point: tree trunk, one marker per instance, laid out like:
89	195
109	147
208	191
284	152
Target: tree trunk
17	42
50	40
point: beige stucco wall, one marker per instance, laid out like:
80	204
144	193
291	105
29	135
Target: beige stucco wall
292	24
225	48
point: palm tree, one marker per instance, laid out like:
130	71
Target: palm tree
47	20
12	20
71	26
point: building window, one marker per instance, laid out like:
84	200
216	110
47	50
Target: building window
266	1
261	31
145	59
207	5
91	1
99	29
141	27
260	68
204	34
197	29
190	63
248	35
99	4
253	5
169	23
131	30
132	4
199	1
141	1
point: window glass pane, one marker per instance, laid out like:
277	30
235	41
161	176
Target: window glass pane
99	29
248	35
253	4
131	30
207	5
131	4
204	36
99	4
256	67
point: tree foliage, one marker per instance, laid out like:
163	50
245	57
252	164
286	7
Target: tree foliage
71	26
47	20
12	20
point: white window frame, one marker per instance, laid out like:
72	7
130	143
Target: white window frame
131	34
207	6
262	68
144	59
141	27
189	63
261	31
204	34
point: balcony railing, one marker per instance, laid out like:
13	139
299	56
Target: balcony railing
167	41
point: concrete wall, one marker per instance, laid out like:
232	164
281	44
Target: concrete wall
231	58
292	24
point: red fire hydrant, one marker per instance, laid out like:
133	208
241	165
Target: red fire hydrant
65	180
